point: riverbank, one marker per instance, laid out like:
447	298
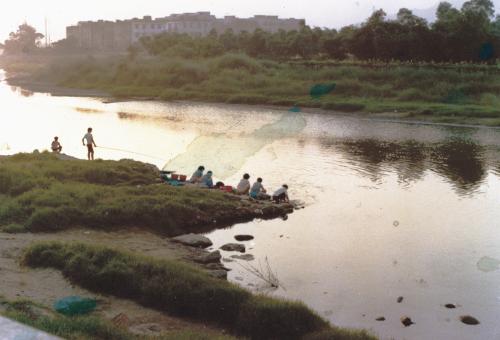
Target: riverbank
435	94
123	219
45	193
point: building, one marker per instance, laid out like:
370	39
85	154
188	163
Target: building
195	24
119	35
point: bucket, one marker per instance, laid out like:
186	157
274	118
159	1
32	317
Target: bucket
175	177
227	188
183	178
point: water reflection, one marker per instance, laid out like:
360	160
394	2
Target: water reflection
373	158
462	162
459	160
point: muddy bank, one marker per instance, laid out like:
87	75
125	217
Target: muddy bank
46	286
31	85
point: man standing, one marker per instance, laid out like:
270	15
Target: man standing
90	143
56	146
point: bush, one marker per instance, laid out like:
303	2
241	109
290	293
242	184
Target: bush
490	99
14	228
414	94
177	288
236	62
267	318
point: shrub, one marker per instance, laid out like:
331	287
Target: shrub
236	62
490	99
14	228
267	318
414	94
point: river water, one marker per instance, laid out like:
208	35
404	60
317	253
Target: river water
391	209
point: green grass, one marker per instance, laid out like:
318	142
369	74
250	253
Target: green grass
43	193
182	290
82	327
470	91
85	327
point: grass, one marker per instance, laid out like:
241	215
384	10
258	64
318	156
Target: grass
458	92
43	193
84	327
182	290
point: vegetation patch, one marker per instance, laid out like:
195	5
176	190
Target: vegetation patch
43	193
85	327
82	327
179	289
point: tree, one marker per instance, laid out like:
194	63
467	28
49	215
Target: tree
25	40
257	44
481	7
229	40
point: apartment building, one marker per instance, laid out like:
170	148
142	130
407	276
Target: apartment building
119	35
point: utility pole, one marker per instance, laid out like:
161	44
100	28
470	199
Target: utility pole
46	34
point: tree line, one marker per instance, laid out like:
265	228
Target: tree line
471	33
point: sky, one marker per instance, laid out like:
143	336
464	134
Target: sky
321	13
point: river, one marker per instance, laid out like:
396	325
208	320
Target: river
391	209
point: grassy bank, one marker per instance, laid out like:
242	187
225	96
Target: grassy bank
39	192
83	327
183	290
438	93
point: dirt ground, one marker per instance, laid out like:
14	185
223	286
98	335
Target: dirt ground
46	286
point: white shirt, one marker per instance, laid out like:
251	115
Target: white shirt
243	186
280	191
89	138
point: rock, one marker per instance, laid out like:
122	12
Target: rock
217	266
469	320
227	260
246	257
381	318
450	306
400	299
193	240
243	238
233	247
406	321
213	257
219	274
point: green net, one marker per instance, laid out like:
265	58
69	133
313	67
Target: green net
75	305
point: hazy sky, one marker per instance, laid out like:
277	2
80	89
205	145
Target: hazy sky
61	13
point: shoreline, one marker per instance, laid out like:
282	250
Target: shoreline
388	117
